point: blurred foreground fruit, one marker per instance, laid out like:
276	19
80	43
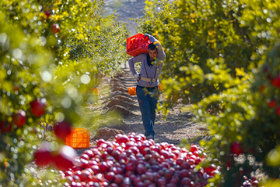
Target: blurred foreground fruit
38	107
5	126
43	156
55	28
62	160
19	118
62	129
65	158
236	148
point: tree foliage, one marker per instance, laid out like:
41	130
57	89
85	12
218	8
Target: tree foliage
52	52
215	56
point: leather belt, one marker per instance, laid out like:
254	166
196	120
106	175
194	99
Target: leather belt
147	86
148	79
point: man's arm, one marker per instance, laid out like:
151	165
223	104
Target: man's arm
161	54
131	63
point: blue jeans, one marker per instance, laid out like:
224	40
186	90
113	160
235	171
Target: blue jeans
147	99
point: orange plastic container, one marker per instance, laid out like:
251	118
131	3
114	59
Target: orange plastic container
160	87
132	90
94	91
79	138
137	44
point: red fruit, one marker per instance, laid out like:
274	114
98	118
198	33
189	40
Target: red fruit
110	176
83	163
193	148
271	103
168	174
55	28
68	173
140	169
236	148
187	182
275	81
126	182
255	183
184	173
85	175
89	153
100	142
95	169
262	88
16	87
118	179
171	185
228	164
161	181
210	169
65	158
5	126
121	139
62	129
47	13
38	107
130	166
186	165
76	175
19	118
85	156
278	110
103	167
43	156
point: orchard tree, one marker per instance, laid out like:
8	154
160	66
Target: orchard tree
72	30
193	32
245	136
23	104
52	53
216	51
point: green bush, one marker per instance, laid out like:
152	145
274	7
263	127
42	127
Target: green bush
52	51
215	56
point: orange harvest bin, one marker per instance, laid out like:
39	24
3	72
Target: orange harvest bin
132	90
137	44
94	91
160	87
79	138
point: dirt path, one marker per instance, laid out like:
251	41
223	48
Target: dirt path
176	127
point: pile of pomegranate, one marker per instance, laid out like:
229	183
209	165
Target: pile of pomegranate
131	160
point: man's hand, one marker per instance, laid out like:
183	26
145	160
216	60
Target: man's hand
151	38
147	35
137	76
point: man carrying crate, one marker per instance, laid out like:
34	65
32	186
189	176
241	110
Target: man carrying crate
147	82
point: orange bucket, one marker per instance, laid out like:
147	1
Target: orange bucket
160	87
132	90
79	138
94	91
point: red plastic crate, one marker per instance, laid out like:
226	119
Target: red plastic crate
137	44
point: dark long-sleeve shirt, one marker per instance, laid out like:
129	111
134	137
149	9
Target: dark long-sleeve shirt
151	72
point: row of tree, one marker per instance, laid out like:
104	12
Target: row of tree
223	57
52	52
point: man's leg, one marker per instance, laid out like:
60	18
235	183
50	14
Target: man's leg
153	98
153	106
145	109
